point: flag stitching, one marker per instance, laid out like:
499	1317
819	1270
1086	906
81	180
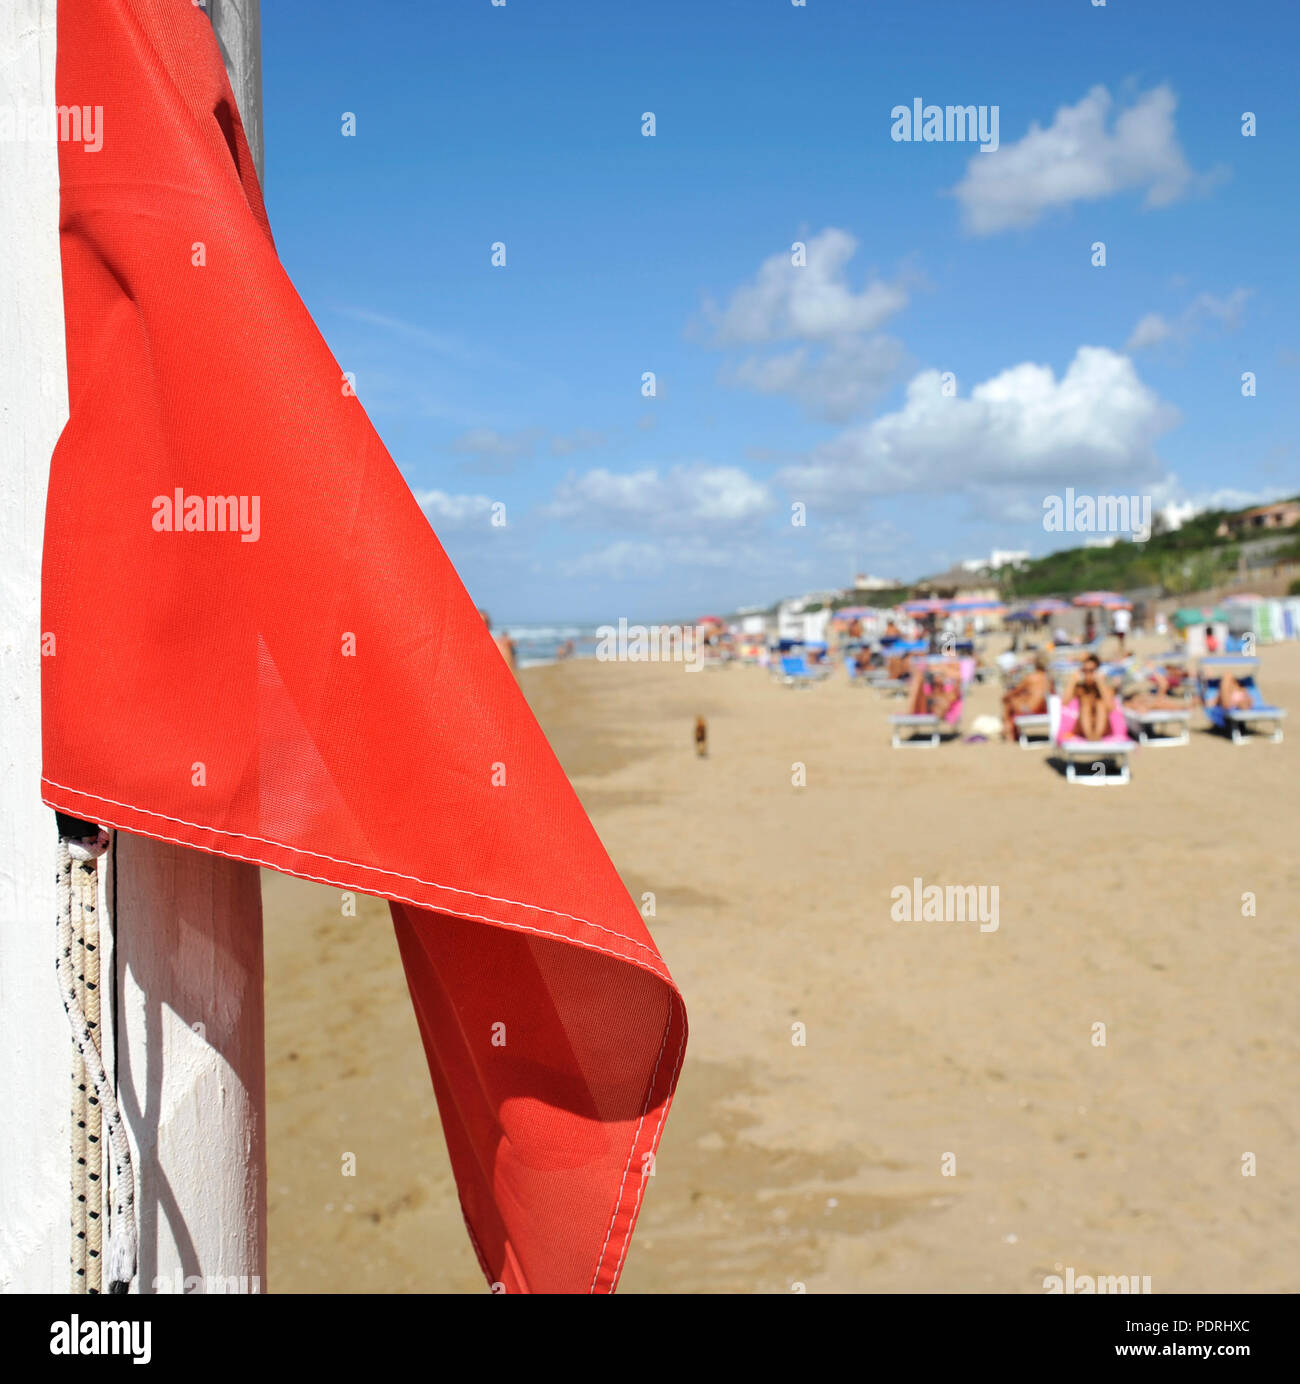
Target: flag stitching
354	864
649	1095
401	898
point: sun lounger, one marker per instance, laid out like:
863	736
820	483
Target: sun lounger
1097	754
926	731
861	677
795	671
923	731
1093	754
1237	723
1159	729
1031	723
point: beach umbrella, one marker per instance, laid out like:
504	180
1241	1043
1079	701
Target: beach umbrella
1243	598
1021	617
923	605
1107	600
976	607
276	679
1048	605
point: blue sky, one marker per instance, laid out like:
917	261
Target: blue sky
819	384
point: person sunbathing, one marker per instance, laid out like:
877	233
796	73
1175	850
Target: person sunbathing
1153	701
1153	690
900	665
1096	700
935	687
1231	696
1028	697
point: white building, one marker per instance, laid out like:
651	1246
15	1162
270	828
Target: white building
795	621
999	557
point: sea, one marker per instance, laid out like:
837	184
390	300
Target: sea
538	645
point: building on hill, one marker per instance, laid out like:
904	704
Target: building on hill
805	618
996	560
1283	514
956	584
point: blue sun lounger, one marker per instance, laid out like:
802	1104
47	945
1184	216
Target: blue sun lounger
796	673
1236	723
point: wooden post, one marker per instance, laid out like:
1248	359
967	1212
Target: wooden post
187	950
188	932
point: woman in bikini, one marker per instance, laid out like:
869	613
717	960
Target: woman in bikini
935	687
1028	697
1096	700
1232	696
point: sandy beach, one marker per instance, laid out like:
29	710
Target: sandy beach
823	1163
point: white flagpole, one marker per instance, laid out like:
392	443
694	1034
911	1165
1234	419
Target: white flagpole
189	1060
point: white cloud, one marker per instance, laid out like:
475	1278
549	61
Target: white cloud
682	494
454	511
1150	331
834	383
1205	309
1078	159
581	439
1023	427
497	449
813	302
837	363
637	557
1172	491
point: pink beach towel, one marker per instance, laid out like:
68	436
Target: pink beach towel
1070	718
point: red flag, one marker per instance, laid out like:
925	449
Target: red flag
264	652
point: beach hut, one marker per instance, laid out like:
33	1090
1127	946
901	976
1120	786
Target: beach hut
1199	626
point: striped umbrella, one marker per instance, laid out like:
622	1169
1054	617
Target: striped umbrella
1109	600
976	607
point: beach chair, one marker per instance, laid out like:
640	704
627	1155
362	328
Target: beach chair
1033	728
1238	723
796	673
879	677
865	677
923	731
1159	729
1109	755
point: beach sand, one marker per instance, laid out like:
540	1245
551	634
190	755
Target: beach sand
823	1164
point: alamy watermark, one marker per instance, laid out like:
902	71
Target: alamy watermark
1071	513
945	125
651	644
82	125
182	513
1096	1283
945	903
190	1284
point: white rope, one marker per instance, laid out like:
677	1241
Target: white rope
85	933
80	1081
122	1246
